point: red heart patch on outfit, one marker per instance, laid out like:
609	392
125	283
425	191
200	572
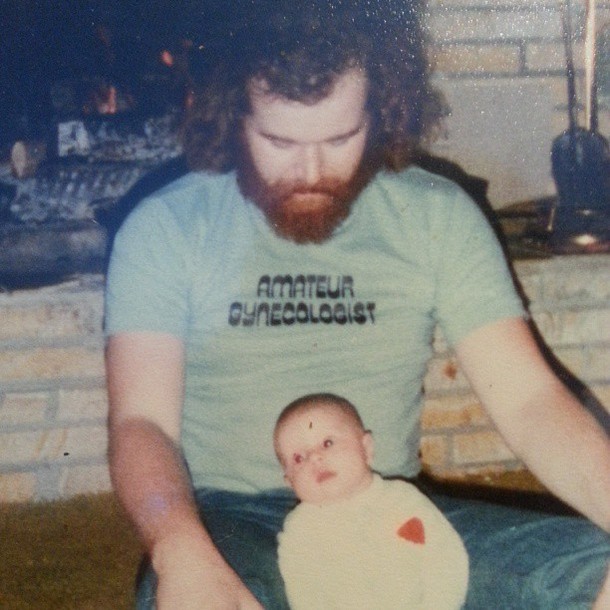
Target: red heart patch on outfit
413	531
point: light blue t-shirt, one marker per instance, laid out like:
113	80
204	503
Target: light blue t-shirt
265	320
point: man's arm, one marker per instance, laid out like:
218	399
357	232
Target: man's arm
145	383
542	422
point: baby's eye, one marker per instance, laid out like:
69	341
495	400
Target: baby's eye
297	458
327	443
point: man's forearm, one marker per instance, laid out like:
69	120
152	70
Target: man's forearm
568	451
152	483
543	423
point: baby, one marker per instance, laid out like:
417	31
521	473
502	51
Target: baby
357	541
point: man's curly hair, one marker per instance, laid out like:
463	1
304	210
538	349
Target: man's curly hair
298	49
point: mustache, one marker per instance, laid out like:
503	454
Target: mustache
327	186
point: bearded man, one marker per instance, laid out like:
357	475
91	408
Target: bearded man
304	254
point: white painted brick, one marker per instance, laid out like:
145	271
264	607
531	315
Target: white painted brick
574	327
23	409
494	24
434	452
50	320
52	363
52	444
451	412
599	363
80	404
577	285
88	441
480	447
84	480
546	56
465	4
475	59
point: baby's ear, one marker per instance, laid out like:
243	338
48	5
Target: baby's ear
287	481
369	447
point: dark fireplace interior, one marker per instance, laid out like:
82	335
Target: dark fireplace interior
91	96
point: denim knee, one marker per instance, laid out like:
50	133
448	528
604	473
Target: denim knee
529	559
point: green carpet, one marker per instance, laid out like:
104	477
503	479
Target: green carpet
78	554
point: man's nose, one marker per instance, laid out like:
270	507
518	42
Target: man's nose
311	163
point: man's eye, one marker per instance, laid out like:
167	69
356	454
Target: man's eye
281	144
339	141
327	443
297	458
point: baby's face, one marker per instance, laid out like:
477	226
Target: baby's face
325	455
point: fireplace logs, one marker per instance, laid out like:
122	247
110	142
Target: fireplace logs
48	225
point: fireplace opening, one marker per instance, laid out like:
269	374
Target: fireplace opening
92	96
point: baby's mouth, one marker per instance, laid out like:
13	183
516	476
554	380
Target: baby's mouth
325	475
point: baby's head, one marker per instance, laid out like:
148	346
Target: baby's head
323	448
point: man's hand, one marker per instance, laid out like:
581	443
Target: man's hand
189	579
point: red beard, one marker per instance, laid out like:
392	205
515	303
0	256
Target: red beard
302	213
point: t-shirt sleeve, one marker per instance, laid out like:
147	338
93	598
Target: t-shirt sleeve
474	285
147	278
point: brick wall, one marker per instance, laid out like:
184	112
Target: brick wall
501	65
52	393
53	403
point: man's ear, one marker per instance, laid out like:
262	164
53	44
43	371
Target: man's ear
369	447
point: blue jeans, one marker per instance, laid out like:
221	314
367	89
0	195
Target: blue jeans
519	559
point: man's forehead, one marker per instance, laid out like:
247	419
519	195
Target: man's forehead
336	114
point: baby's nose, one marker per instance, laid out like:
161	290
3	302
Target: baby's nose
315	455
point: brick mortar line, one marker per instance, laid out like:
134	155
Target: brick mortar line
526	74
575	307
23	297
481	76
583	346
451	431
508	465
494	43
495	8
557	347
56	424
36	467
28	386
89	341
